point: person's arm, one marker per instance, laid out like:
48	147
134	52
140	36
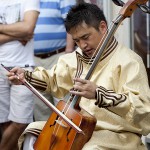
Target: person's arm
6	38
23	29
70	45
104	97
132	102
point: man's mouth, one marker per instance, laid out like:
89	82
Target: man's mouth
89	52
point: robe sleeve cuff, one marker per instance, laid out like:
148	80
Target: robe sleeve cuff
108	98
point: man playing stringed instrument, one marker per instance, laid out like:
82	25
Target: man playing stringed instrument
17	22
117	94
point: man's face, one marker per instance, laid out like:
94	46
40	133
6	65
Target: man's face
87	37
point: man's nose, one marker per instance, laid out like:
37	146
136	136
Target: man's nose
83	44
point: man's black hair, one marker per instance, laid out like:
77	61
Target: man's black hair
91	14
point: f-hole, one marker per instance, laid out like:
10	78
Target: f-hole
54	121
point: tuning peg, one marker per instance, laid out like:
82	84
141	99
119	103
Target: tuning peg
118	2
144	8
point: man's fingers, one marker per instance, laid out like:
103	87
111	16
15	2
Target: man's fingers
9	74
14	70
76	93
83	81
78	87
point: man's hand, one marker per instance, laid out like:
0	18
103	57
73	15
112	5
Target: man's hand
25	40
84	88
15	75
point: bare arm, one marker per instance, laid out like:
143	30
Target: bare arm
69	44
23	29
6	38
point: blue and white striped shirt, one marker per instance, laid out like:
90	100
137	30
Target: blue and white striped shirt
50	32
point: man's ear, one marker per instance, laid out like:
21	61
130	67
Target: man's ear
103	27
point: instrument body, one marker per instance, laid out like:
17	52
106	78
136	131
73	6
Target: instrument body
71	139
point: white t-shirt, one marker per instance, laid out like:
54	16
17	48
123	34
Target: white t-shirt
14	53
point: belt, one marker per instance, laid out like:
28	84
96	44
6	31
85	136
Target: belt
46	55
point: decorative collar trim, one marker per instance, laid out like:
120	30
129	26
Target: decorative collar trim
82	57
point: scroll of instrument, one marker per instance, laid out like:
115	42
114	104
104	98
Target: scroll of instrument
69	128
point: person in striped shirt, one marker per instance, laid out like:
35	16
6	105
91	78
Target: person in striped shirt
50	41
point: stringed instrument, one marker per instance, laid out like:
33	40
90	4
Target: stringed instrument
60	134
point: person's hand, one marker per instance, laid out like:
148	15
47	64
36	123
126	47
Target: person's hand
15	75
69	50
23	42
84	88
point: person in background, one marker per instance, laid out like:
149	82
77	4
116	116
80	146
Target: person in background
88	1
117	94
17	22
141	42
50	42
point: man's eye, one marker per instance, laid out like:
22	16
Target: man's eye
86	37
76	41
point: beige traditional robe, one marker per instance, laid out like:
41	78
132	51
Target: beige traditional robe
123	96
